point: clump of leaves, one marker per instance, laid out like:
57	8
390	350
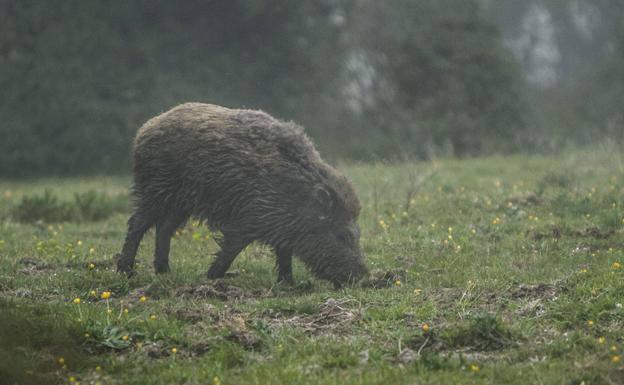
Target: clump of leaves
112	337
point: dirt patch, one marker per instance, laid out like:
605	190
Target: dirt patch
552	233
334	315
245	339
207	311
534	307
207	320
155	349
32	266
593	232
538	291
525	200
219	290
383	279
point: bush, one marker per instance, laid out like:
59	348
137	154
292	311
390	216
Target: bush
87	206
44	207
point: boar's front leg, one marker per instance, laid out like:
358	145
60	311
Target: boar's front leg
284	266
231	246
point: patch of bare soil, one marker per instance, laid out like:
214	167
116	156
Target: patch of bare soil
382	279
524	200
205	312
334	315
221	290
553	233
593	232
542	291
244	338
155	349
32	266
208	319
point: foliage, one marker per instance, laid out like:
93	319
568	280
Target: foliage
87	206
444	80
79	77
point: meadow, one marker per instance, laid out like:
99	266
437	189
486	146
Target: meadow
489	270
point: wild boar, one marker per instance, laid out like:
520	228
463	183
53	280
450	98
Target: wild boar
253	178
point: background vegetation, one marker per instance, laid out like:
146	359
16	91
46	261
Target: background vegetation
367	79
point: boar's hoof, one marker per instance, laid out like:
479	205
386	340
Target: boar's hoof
124	266
162	268
215	273
286	280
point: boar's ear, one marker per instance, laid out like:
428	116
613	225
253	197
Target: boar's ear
322	197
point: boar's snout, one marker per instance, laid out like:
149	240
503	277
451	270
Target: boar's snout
350	273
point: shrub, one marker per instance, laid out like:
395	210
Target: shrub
87	206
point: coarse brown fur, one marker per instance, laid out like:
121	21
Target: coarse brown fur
253	178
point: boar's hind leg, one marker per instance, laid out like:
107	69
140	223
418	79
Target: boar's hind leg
284	266
138	224
164	231
230	247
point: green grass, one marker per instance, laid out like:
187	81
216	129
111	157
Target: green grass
510	262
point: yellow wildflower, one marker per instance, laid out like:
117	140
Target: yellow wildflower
79	242
601	340
425	328
152	317
93	293
91	266
474	368
216	380
590	323
417	291
616	265
143	298
105	295
615	359
125	338
174	350
76	301
61	361
398	283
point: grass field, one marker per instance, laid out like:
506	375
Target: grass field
495	270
